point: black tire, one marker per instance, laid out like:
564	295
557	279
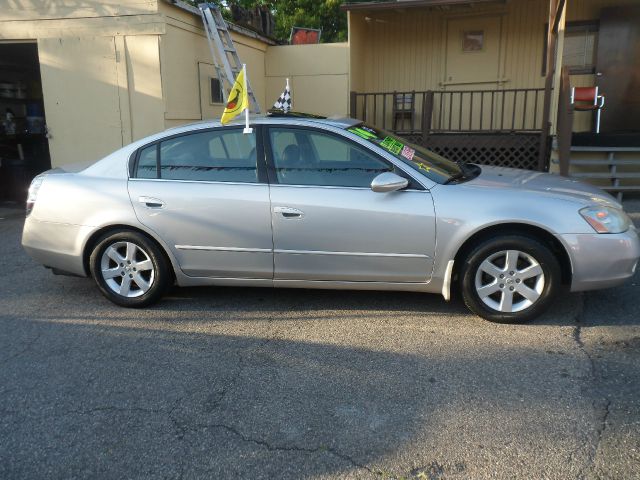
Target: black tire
147	268
495	306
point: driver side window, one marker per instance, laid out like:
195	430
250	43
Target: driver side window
310	157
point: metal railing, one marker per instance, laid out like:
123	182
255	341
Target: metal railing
499	110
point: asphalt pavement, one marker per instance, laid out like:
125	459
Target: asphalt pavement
220	383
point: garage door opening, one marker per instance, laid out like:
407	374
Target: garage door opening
24	149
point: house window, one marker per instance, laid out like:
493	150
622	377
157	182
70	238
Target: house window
580	47
217	96
472	41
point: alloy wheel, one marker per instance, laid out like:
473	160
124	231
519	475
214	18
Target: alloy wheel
509	281
127	269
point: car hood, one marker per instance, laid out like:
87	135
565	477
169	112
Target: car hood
543	183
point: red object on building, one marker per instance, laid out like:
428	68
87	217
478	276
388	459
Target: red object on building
304	36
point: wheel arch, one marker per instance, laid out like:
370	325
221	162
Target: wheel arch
92	241
538	233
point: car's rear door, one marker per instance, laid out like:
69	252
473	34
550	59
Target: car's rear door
327	222
206	195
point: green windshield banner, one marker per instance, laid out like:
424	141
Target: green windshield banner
398	148
392	145
361	132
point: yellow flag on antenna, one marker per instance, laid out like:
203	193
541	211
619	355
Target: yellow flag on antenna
238	99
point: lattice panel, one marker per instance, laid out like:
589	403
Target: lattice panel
512	150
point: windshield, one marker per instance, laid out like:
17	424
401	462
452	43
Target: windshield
424	161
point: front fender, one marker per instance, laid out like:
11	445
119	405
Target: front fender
463	212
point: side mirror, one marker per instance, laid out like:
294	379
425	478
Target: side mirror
388	182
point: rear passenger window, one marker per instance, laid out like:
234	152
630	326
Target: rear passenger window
147	166
220	156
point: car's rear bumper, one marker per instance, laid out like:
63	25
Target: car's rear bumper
602	260
55	245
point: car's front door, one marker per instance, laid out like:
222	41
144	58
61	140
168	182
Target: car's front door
327	222
206	196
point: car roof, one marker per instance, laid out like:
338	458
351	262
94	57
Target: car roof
291	118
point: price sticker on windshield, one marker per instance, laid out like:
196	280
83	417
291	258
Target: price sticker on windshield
408	152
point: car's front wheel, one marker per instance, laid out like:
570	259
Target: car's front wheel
510	279
129	268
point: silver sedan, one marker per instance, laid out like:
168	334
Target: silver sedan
306	202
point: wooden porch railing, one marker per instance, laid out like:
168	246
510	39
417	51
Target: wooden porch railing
499	110
499	127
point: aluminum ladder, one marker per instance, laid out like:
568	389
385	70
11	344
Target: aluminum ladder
220	41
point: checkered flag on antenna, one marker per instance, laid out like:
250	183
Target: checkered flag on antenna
284	102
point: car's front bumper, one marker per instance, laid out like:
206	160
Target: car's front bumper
601	260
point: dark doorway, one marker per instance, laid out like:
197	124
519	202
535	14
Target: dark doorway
24	149
619	69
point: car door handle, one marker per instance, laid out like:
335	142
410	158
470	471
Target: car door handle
288	212
151	202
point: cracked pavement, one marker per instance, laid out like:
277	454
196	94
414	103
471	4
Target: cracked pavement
260	383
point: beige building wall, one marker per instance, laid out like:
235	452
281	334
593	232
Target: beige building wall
318	77
114	72
80	88
421	49
414	49
51	9
31	20
187	67
411	49
100	93
100	73
143	95
357	61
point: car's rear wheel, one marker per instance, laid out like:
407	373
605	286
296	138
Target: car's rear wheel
510	279
129	268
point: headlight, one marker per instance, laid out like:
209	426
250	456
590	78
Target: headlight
33	192
606	219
